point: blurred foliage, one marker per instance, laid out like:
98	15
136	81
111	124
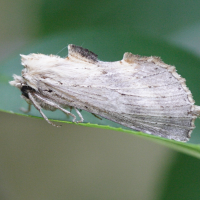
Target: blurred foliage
183	179
153	17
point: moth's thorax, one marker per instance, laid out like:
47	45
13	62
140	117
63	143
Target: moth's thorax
33	63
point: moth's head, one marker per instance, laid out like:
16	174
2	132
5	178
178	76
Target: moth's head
20	83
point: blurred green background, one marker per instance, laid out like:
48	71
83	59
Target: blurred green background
38	161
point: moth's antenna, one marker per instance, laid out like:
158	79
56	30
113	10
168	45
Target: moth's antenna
62	49
82	44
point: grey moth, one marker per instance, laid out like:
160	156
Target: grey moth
142	93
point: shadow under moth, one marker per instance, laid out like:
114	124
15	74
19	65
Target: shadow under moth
142	93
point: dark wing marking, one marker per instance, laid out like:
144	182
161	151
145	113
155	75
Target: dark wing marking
81	53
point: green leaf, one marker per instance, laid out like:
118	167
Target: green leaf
110	45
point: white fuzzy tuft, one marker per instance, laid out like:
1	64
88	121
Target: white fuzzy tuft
18	81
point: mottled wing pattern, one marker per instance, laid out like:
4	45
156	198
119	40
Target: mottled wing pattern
141	93
138	92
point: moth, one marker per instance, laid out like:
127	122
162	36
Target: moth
142	93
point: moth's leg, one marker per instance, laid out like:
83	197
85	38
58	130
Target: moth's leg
39	109
97	116
70	109
66	112
26	110
53	104
79	114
